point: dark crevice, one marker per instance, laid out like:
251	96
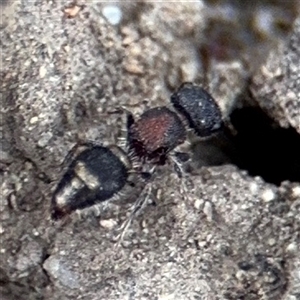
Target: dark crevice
259	146
264	148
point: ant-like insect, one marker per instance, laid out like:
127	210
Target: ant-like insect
98	173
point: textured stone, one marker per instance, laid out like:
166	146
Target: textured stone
230	237
59	271
276	86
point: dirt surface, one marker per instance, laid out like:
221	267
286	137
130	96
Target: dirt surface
276	84
223	234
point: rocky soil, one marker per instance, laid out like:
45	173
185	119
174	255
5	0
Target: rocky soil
233	230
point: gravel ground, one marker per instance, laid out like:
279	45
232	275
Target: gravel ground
65	67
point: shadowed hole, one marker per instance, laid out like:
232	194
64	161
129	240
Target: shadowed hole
260	146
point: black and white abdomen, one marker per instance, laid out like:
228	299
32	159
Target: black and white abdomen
96	174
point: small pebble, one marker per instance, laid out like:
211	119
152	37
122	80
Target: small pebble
108	224
264	20
296	192
207	209
42	71
198	204
33	120
292	248
134	68
268	195
112	13
253	187
271	242
202	244
240	275
43	141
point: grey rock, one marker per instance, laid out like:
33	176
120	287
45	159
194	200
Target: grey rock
227	80
59	270
223	235
276	86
